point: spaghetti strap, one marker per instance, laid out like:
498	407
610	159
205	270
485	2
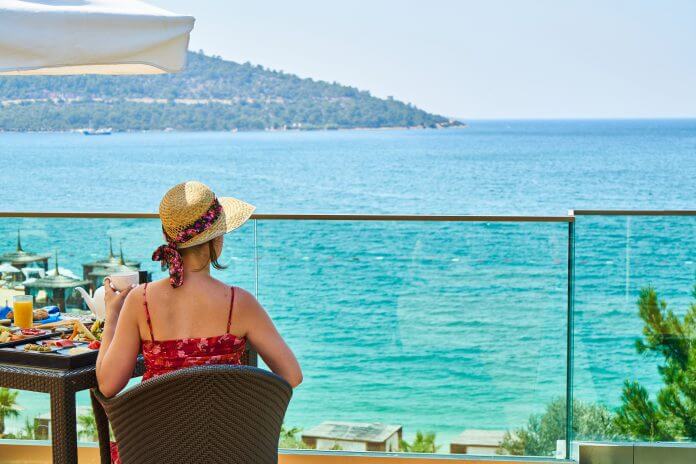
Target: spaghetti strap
229	315
147	313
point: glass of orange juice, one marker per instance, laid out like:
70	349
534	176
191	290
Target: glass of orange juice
23	310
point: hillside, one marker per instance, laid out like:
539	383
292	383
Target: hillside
211	94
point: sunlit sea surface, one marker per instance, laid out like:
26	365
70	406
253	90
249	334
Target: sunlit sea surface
435	326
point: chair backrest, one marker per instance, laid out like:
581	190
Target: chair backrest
205	414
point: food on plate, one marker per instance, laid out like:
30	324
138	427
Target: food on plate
33	332
78	350
39	348
81	333
53	325
6	336
95	345
59	343
97	329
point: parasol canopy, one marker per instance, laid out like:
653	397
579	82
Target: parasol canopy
8	268
62	271
58	37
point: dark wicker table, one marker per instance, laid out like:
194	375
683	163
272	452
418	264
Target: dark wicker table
61	385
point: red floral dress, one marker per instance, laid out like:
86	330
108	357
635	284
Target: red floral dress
162	356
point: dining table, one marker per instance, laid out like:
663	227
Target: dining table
62	384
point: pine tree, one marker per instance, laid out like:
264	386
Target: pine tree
538	437
673	415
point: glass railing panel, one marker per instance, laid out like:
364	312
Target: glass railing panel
78	244
625	264
438	327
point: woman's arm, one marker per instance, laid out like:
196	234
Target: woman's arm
266	340
120	341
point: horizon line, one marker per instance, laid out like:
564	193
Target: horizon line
577	118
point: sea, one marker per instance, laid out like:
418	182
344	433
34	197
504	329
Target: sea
435	326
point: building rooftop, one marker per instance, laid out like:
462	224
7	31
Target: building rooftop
56	280
112	259
119	266
353	431
19	256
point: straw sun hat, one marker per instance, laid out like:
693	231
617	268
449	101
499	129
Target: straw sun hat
185	203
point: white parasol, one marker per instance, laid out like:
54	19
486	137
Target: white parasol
57	37
8	268
64	272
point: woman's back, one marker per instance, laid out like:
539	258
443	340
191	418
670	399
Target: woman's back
199	308
191	327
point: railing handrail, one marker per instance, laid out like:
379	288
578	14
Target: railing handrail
302	217
366	217
636	212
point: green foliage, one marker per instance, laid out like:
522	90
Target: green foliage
673	415
87	427
211	94
538	437
8	406
289	438
423	443
30	431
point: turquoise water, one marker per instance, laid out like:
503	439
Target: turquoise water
489	168
436	326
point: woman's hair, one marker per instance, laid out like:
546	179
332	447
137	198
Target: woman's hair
212	255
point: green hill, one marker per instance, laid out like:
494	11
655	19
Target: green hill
211	94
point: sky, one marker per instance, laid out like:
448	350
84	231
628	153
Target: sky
472	59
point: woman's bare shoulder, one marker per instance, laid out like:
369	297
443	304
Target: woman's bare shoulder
244	297
246	304
155	289
155	285
146	292
137	295
134	301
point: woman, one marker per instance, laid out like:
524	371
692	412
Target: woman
190	318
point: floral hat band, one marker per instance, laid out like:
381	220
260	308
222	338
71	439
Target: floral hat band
169	254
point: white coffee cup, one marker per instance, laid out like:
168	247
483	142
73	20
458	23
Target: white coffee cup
122	280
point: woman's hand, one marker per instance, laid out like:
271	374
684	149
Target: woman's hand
114	300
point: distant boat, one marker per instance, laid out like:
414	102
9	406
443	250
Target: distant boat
90	131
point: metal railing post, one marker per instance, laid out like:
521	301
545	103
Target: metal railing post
256	260
569	340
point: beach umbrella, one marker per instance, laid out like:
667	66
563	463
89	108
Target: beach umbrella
7	268
56	37
30	271
64	272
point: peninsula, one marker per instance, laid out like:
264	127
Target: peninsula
210	95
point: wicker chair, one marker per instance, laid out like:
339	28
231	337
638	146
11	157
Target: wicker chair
205	414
